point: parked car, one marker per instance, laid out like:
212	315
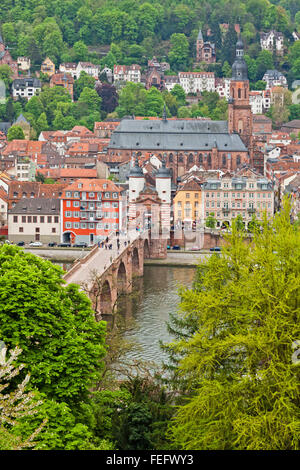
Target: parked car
21	243
176	247
65	245
80	245
195	248
52	244
35	244
216	248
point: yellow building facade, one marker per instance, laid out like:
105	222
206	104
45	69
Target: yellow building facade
48	67
187	204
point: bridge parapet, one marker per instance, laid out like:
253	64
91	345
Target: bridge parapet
105	274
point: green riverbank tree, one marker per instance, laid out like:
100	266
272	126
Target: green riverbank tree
235	346
62	344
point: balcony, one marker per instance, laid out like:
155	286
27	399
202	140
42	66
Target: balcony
251	210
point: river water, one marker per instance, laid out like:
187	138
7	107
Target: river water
157	298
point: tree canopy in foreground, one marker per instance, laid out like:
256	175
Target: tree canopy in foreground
235	345
62	344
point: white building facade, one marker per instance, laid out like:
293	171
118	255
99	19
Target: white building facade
245	194
197	82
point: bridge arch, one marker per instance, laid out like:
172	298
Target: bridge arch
135	262
106	298
146	249
121	278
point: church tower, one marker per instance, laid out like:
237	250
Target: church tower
239	108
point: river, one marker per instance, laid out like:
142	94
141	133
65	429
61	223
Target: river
158	297
155	296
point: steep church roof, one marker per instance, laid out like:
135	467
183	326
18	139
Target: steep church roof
200	36
175	135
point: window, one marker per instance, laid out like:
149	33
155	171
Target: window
15	218
21	229
49	219
68	194
76	225
29	219
53	230
83	225
68	204
91	195
68	214
76	214
56	219
107	204
68	224
42	219
34	219
75	204
115	204
106	195
187	195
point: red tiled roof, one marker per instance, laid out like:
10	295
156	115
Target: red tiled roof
3	194
93	185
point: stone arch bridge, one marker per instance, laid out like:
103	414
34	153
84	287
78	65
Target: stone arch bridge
105	274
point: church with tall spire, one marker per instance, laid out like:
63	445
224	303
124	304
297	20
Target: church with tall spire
239	108
224	145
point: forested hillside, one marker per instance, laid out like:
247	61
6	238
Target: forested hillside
134	30
110	32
